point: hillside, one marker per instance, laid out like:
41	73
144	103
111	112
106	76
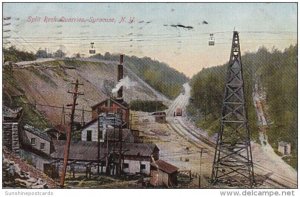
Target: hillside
275	73
47	82
159	75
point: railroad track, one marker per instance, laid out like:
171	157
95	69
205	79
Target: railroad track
201	141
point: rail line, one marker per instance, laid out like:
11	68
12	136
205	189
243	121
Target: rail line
181	129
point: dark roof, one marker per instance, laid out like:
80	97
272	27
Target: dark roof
159	113
283	143
85	151
164	166
88	151
9	113
121	103
37	132
114	134
142	149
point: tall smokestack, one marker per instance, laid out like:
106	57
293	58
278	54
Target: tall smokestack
120	76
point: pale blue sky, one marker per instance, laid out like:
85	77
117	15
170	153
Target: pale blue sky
268	24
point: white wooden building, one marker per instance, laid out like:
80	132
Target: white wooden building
90	133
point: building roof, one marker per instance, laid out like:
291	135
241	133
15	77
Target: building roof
89	124
164	166
37	132
122	103
88	151
159	113
283	143
84	151
113	135
141	149
9	114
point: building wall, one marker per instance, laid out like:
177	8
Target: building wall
10	136
134	166
38	140
114	108
94	128
34	159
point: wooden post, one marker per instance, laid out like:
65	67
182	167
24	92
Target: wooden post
69	132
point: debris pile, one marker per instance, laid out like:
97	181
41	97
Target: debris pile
13	176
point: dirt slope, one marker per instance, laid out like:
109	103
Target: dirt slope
47	83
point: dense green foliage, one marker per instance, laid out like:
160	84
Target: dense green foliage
15	55
276	72
157	74
147	106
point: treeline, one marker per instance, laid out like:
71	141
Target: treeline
276	73
147	106
15	55
157	74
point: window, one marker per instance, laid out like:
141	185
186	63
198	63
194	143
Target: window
125	165
32	141
89	135
42	146
100	134
143	166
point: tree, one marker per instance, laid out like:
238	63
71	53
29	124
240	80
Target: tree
59	53
41	53
107	56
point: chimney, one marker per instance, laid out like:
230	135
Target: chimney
120	76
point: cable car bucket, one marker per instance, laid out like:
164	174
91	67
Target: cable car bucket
92	49
211	41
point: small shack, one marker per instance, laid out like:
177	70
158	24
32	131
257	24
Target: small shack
160	116
163	174
284	148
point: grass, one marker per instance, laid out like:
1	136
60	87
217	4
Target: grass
30	115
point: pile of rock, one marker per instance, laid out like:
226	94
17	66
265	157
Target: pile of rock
14	177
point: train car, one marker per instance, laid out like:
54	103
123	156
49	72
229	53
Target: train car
178	112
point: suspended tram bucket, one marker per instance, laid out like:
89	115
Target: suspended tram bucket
92	50
211	41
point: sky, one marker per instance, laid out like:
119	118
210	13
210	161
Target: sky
144	29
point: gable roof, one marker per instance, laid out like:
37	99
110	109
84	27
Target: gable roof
89	123
122	104
141	149
88	151
164	166
37	132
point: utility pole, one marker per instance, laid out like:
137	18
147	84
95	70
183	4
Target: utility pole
63	116
233	156
82	117
200	173
69	132
120	146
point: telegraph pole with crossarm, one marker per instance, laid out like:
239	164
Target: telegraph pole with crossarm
69	131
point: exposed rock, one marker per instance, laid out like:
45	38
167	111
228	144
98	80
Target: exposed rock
15	177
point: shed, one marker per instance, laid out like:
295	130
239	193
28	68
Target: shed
163	174
160	116
284	148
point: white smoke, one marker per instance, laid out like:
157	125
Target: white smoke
125	82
